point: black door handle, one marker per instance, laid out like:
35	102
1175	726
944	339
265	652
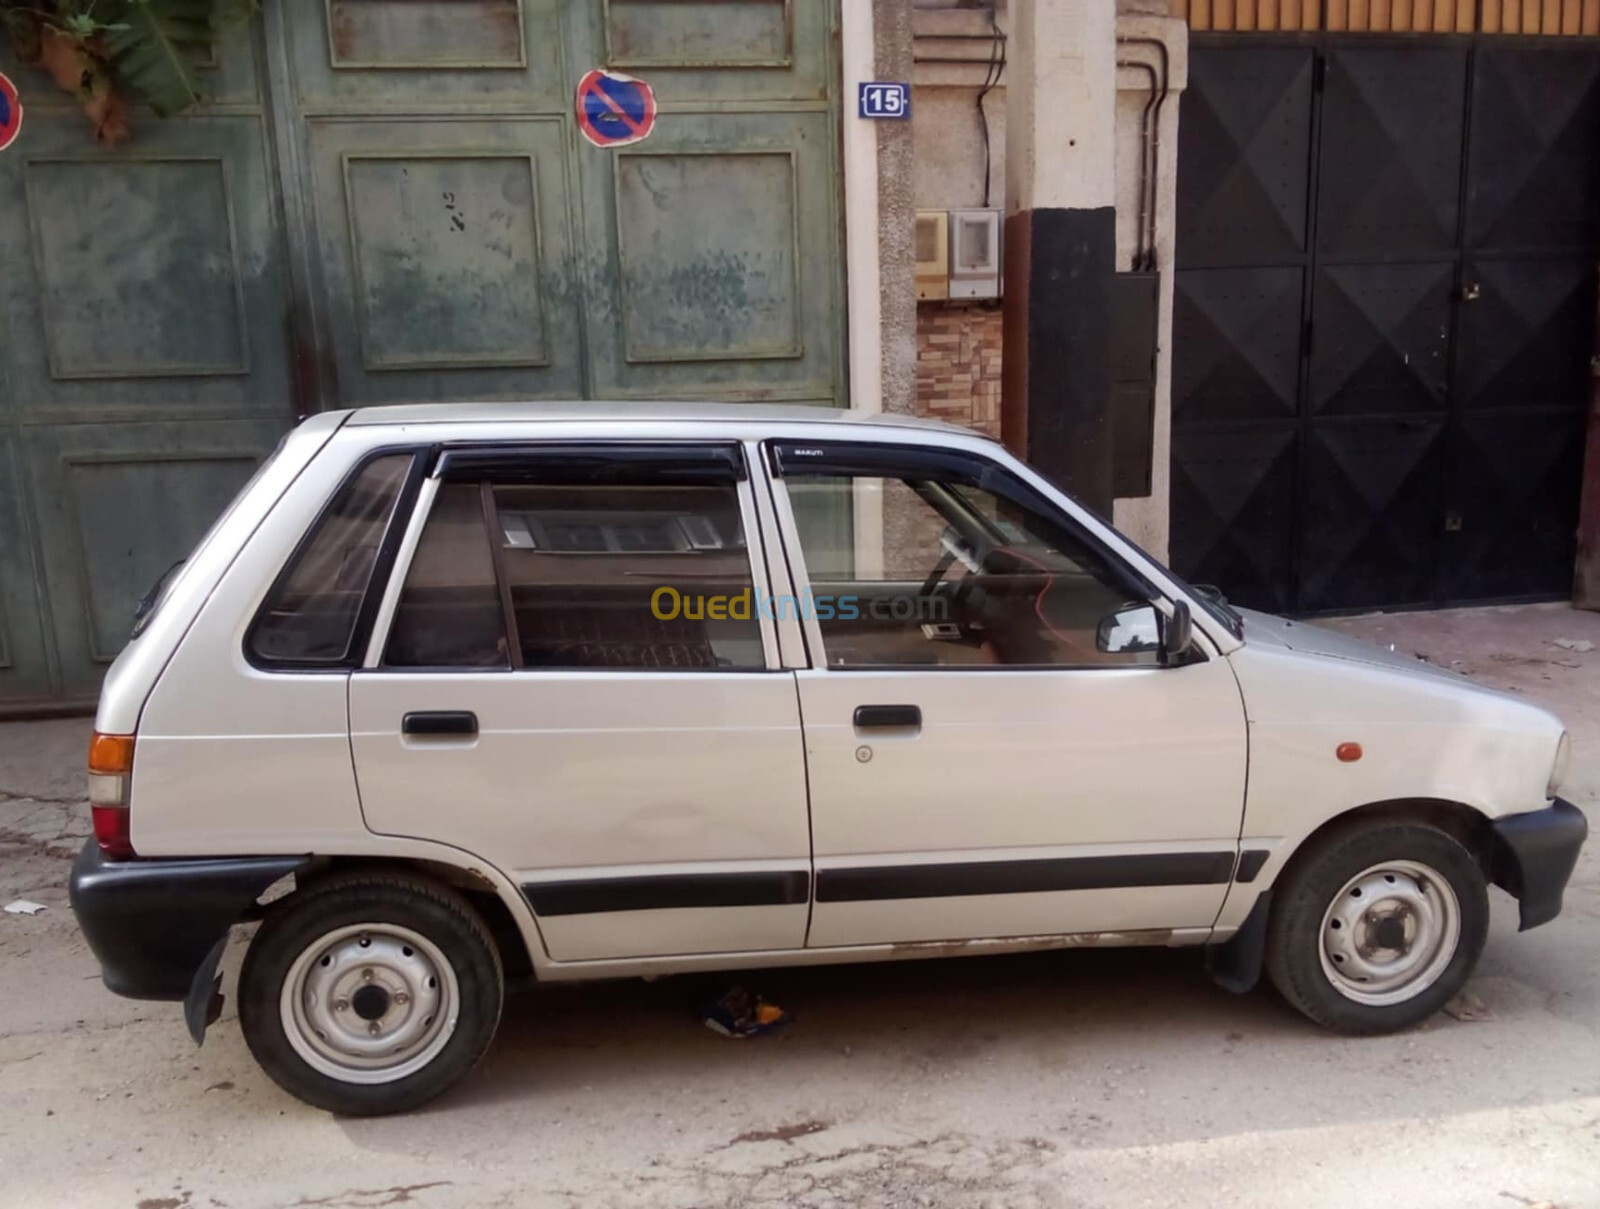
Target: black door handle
900	717
440	722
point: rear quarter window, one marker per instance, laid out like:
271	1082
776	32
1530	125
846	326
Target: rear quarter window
309	618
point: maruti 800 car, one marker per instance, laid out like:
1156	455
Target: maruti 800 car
457	694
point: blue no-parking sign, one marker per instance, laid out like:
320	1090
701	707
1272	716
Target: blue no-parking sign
10	112
615	110
880	99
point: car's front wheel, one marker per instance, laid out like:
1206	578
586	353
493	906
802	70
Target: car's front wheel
1377	926
370	993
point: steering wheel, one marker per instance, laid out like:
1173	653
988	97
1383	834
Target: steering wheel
964	611
936	576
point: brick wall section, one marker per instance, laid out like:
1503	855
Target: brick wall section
958	364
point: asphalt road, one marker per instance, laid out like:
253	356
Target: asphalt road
1083	1078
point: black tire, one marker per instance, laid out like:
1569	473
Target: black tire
435	913
1294	953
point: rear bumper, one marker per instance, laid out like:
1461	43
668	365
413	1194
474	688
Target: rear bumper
1534	857
152	923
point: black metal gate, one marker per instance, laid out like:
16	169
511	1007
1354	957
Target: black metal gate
1384	317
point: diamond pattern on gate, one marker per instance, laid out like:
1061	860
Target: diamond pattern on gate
1391	151
1236	344
1510	447
1381	338
1242	161
1231	509
1535	127
1525	340
1517	482
1372	513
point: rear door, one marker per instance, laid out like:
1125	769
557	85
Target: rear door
572	684
995	744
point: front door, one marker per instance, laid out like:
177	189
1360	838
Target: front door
570	690
995	743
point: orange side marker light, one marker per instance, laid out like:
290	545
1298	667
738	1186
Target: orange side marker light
110	753
1348	753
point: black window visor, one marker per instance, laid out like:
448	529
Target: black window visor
634	463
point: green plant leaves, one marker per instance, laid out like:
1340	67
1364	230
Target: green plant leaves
149	51
155	47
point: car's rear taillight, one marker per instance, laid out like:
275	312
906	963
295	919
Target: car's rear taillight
110	775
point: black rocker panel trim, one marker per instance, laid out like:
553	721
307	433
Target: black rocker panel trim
1250	863
659	892
1024	877
655	892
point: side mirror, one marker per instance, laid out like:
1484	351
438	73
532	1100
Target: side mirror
1131	630
1178	638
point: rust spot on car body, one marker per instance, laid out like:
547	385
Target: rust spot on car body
1031	944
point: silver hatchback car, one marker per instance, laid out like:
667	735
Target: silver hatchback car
455	694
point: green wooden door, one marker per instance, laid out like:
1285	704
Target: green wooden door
470	244
714	268
389	201
144	369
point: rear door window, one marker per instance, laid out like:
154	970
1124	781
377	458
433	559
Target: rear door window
635	576
449	613
626	565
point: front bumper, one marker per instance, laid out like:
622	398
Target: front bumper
1534	856
152	923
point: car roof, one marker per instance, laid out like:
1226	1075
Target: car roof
608	412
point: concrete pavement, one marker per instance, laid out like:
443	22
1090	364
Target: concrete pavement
1075	1079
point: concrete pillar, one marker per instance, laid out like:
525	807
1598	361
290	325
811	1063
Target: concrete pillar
859	154
1061	240
897	254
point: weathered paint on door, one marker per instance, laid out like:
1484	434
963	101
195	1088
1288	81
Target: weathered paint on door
388	201
144	369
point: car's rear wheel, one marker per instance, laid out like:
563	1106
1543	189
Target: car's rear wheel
370	993
1377	926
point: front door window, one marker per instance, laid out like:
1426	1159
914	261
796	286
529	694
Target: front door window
940	571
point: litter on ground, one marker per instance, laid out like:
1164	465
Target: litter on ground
740	1014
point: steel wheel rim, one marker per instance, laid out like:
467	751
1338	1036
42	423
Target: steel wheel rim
1390	933
370	1003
